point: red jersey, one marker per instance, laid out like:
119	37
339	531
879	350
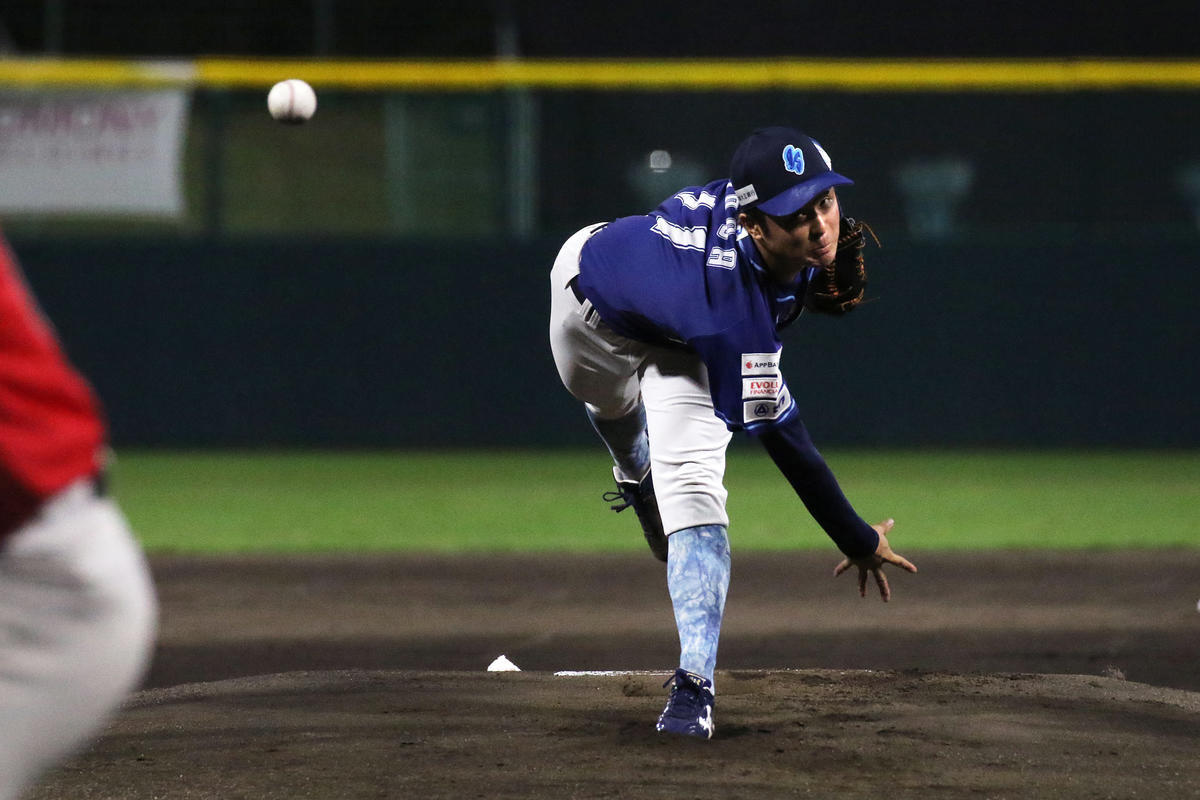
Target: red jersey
51	431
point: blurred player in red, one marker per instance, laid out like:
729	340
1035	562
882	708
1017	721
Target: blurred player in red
77	607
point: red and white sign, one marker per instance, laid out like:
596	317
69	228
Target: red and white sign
93	151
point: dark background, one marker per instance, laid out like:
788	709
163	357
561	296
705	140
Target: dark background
700	28
335	343
1060	312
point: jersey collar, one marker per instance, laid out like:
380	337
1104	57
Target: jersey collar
783	299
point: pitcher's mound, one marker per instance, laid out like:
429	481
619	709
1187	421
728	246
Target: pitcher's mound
779	733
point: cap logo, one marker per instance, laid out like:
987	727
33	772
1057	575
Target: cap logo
793	159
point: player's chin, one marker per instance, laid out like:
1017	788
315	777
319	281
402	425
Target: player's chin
821	259
824	256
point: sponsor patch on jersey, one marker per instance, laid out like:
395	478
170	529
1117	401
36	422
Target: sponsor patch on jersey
761	363
761	410
763	386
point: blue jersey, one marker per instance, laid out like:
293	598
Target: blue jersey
684	276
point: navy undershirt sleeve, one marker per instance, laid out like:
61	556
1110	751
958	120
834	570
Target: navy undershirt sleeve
793	451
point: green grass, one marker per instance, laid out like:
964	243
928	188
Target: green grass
229	502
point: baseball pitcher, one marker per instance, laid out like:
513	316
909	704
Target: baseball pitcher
666	327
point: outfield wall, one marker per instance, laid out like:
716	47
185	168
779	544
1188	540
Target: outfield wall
376	277
402	343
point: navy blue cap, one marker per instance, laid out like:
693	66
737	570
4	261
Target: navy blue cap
780	170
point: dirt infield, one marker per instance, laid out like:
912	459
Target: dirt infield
1001	675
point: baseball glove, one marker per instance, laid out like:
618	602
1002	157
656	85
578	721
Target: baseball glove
842	285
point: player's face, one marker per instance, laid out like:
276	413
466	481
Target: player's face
807	238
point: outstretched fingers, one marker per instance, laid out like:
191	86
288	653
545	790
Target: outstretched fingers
881	581
885	552
900	561
875	562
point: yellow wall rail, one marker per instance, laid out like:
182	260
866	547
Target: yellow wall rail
890	75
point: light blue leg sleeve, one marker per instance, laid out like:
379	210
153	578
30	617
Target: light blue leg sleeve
698	580
626	441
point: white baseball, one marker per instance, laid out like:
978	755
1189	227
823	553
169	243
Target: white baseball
292	101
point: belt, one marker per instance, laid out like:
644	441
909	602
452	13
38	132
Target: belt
590	314
19	509
574	286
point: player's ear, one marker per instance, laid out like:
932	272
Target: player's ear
752	227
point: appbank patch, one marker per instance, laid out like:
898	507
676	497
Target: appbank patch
761	363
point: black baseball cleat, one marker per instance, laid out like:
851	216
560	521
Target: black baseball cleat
640	495
689	710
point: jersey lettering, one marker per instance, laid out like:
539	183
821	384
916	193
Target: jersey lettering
692	201
679	236
728	229
720	257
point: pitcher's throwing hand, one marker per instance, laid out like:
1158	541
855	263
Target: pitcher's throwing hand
874	563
